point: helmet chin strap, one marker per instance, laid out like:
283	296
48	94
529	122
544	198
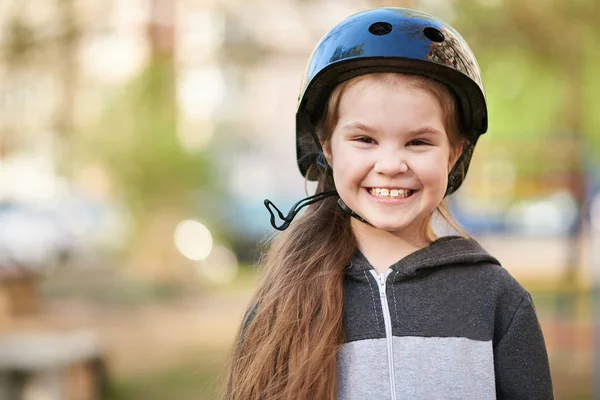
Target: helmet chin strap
287	220
347	210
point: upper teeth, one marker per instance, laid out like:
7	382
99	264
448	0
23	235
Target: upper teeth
391	193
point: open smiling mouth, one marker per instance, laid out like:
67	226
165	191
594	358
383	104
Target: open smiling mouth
390	194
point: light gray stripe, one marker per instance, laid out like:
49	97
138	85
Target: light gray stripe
427	368
363	370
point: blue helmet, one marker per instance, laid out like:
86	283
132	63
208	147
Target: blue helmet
391	40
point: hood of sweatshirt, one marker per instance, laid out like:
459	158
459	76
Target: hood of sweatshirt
445	251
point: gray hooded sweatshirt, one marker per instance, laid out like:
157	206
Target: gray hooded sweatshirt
445	322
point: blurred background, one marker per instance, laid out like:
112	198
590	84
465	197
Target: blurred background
139	138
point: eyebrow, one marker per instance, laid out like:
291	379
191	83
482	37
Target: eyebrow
357	125
362	127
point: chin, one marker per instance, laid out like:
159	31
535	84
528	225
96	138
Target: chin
387	225
393	224
393	229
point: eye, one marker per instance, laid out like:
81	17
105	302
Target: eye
365	139
418	142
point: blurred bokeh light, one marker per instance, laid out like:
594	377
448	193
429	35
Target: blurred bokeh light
220	267
193	240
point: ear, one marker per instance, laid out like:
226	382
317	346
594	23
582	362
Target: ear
327	151
455	155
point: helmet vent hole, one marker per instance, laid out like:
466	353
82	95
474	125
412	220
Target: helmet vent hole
380	28
434	34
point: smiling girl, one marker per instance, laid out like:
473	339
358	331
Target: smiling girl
360	299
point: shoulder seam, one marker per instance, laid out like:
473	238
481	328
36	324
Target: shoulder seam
512	318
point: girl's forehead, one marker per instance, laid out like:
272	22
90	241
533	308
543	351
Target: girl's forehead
371	88
378	98
385	78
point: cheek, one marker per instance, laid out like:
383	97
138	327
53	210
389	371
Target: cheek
346	175
433	169
348	165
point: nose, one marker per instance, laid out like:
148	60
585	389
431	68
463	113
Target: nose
390	163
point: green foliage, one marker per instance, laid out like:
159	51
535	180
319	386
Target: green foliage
137	141
592	101
538	61
523	95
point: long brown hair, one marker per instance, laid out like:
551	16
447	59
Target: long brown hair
286	347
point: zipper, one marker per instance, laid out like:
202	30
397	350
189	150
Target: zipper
381	280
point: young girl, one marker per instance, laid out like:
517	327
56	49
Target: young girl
360	299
